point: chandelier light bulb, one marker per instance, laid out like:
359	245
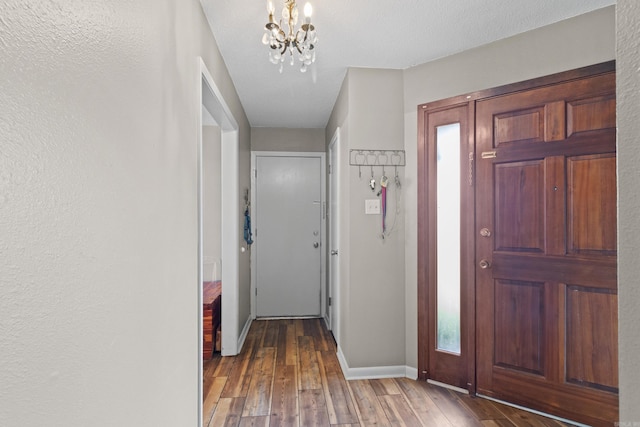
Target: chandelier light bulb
308	10
270	7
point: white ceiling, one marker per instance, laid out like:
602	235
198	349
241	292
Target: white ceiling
361	33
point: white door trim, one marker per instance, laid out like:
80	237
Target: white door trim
334	229
210	97
323	222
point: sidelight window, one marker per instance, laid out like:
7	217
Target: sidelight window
448	237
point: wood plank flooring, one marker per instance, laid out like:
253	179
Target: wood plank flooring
288	375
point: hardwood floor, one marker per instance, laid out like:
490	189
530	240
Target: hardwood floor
288	375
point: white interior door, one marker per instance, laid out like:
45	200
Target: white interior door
288	243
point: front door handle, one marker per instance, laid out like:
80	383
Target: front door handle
484	264
334	252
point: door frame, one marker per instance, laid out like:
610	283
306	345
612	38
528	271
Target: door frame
323	221
210	97
423	196
334	243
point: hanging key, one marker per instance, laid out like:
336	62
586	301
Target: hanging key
372	182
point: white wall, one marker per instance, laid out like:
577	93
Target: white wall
584	40
211	202
286	139
628	114
98	210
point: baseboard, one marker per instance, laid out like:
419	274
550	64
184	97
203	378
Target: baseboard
375	372
412	373
243	335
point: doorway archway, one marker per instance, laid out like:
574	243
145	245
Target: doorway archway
210	99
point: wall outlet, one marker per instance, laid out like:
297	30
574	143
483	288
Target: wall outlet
372	207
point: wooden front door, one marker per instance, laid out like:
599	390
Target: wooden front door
546	283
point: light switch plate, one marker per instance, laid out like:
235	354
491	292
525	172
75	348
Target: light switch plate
372	206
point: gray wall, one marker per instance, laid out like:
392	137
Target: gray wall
372	269
376	277
284	139
628	113
98	210
584	40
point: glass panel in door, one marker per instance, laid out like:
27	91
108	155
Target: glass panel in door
448	237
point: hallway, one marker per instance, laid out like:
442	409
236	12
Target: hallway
288	374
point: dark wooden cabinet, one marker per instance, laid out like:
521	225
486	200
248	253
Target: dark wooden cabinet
211	316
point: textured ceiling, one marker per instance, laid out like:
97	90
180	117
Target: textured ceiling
362	33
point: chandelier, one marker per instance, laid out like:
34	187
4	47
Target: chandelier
297	43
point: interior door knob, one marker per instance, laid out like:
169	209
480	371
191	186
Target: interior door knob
484	264
334	252
316	244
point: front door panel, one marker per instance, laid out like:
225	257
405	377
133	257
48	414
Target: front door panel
546	276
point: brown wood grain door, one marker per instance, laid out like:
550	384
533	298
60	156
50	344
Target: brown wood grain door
446	266
546	283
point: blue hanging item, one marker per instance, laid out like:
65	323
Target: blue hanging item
248	237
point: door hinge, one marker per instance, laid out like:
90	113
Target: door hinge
256	291
470	169
330	169
255	173
329	300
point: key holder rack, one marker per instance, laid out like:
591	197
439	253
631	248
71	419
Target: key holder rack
391	159
372	158
376	157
